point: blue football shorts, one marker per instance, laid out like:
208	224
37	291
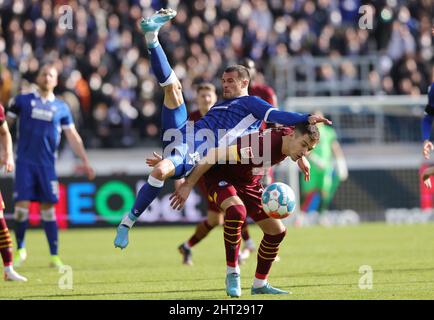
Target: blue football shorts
35	183
175	142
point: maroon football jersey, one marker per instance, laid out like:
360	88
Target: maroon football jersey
257	152
264	92
195	116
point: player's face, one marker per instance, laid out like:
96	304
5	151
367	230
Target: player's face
47	78
206	99
232	85
300	145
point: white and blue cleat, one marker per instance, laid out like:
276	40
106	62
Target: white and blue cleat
157	20
121	239
267	289
233	285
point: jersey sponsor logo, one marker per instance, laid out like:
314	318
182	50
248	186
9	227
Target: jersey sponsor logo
246	153
223	183
41	114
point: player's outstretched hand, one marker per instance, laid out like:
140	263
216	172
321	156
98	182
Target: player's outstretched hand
90	172
8	163
427	148
426	174
152	162
178	198
304	166
314	119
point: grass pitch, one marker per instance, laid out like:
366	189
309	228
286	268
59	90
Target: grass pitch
316	263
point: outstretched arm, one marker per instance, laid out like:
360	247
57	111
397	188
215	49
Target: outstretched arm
213	157
7	159
426	131
77	146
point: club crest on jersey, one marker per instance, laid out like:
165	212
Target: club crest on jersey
223	183
246	153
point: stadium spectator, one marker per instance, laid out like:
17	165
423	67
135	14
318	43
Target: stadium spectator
6	161
329	168
41	116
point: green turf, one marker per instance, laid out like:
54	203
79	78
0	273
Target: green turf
316	263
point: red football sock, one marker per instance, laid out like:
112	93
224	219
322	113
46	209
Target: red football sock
5	243
202	230
234	219
267	252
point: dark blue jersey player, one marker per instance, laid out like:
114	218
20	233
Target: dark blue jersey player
185	143
41	119
427	123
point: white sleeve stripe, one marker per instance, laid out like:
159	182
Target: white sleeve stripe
68	126
268	113
11	114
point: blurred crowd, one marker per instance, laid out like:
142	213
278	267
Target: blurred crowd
105	74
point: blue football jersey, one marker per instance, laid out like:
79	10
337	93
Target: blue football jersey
431	95
40	123
240	116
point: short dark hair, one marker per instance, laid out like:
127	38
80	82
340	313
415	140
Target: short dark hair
205	86
242	71
310	129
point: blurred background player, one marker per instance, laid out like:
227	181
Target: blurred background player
6	160
41	118
328	170
258	87
427	123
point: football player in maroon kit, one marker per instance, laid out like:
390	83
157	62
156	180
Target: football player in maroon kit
236	187
6	160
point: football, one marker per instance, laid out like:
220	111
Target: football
278	200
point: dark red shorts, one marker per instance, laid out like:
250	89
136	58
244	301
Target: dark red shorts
220	190
212	206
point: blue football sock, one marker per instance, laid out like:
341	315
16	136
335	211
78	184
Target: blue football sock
20	233
147	193
159	63
51	231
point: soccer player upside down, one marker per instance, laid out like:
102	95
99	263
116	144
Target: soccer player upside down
237	115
